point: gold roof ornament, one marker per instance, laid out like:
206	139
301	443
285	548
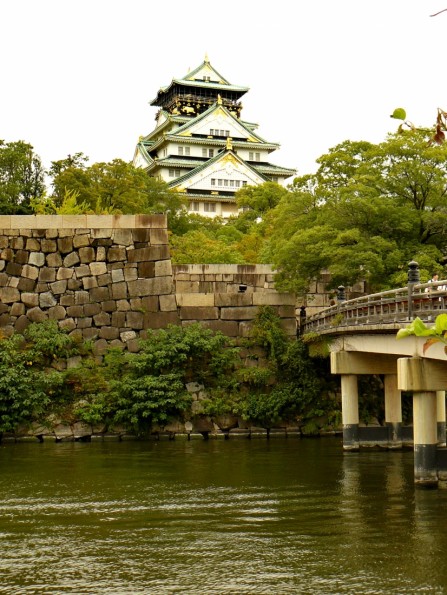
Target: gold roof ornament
229	145
206	58
219	99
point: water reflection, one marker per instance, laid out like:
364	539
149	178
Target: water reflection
285	516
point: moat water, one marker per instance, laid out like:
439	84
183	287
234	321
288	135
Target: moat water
214	517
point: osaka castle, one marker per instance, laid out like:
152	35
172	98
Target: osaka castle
202	147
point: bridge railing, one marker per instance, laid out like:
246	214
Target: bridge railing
425	300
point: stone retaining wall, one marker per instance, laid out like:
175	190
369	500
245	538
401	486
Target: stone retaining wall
226	297
105	278
109	278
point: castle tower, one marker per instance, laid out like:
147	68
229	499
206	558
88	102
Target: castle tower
202	147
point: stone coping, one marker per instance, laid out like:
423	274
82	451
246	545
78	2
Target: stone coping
223	269
158	221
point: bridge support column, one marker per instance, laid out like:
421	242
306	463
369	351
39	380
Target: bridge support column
393	411
350	411
424	378
440	398
425	438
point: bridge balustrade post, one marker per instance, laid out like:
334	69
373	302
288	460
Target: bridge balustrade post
440	399
393	411
350	411
413	278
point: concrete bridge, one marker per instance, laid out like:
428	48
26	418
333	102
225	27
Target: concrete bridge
361	334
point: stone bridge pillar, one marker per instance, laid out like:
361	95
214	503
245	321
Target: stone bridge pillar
350	411
393	411
440	398
425	378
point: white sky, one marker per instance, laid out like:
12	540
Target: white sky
79	75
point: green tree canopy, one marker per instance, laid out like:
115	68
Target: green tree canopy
114	187
367	211
22	177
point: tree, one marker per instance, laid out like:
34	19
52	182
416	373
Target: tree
366	212
201	247
22	177
260	199
114	187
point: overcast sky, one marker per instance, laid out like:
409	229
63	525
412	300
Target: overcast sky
79	75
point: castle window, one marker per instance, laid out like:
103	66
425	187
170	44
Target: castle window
180	150
194	206
174	173
209	207
225	182
187	151
244	182
250	156
258	156
219	182
213	181
237	183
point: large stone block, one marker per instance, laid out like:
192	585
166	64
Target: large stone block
146	270
108	333
102	319
116	253
104	279
119	291
240	313
156	286
57	313
150	253
159	236
122	237
187	286
81	297
64	273
289	326
157	320
37	259
47	300
199	313
261	298
108	306
163	268
229	328
30	272
135	320
58	287
33	245
22	257
92	309
8	295
99	294
47	275
141	236
168	303
118	319
14	269
36	315
89	282
151	221
54	259
98	268
233	299
148	303
81	240
195	299
65	245
87	254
